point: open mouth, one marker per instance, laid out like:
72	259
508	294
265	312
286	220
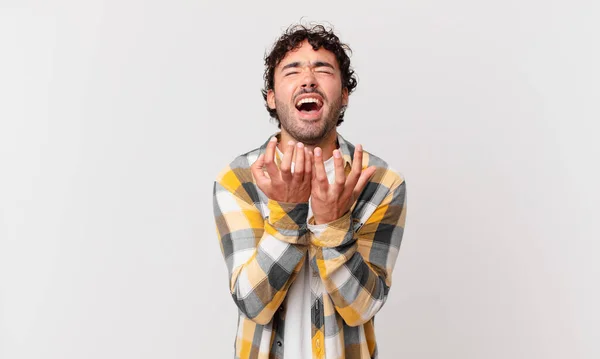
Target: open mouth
309	105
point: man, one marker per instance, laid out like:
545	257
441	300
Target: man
309	225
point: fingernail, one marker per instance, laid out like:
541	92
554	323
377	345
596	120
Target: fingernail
359	147
300	145
291	143
317	151
273	139
336	154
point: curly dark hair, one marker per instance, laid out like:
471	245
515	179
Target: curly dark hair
318	36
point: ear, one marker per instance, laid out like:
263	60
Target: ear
271	99
345	96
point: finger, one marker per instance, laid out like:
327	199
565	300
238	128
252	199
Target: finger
320	177
363	180
299	163
354	174
311	155
257	170
270	159
340	175
286	162
308	165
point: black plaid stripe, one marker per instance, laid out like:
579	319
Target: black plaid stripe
295	216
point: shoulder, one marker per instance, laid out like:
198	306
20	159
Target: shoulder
385	174
237	177
238	169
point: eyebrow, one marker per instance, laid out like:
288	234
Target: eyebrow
314	64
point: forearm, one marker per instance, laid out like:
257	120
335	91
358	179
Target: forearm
259	285
357	289
356	266
263	255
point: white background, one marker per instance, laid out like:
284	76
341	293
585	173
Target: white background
116	116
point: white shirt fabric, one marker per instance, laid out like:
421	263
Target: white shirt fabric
298	302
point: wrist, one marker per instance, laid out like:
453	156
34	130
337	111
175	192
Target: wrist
332	234
325	219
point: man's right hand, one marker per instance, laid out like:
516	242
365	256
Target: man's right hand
280	184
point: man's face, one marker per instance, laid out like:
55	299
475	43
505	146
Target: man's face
308	94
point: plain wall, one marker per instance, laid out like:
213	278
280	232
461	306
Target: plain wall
116	117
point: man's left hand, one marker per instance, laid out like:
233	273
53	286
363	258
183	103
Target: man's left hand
331	201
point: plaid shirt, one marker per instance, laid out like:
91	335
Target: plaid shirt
264	243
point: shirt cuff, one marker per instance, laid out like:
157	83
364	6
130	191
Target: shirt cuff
287	221
332	234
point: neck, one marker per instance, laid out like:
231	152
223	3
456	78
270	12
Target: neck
327	144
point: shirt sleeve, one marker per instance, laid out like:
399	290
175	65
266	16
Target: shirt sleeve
263	255
356	267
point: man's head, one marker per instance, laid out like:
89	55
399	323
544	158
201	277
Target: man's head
308	79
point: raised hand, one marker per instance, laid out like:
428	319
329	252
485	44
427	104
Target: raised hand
331	201
280	184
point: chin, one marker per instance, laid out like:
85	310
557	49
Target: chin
311	137
308	130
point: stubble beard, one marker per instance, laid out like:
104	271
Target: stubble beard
309	134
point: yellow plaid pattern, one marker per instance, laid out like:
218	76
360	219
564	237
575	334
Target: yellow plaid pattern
265	243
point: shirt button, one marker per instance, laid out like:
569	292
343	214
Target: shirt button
278	343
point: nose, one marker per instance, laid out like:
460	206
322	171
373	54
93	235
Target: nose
309	80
